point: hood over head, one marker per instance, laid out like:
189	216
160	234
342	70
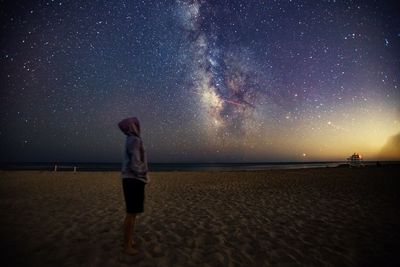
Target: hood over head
130	126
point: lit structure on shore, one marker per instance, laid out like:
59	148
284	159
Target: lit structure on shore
355	160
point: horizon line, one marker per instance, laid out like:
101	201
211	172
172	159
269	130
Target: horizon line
244	162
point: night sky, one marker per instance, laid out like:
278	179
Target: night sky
210	81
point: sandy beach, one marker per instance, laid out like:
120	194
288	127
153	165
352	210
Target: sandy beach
313	217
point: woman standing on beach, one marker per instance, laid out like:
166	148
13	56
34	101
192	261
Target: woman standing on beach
134	178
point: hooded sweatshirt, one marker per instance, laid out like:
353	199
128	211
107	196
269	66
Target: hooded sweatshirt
134	165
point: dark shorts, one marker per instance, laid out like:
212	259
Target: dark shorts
133	194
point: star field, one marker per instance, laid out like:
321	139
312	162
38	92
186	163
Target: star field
209	80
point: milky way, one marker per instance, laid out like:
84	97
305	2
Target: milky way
209	80
227	80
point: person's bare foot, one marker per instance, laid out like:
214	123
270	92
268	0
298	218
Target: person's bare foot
131	250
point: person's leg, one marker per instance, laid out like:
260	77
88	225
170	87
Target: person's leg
129	227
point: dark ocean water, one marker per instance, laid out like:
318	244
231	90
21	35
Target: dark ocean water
155	167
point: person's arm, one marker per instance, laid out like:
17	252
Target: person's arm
137	163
